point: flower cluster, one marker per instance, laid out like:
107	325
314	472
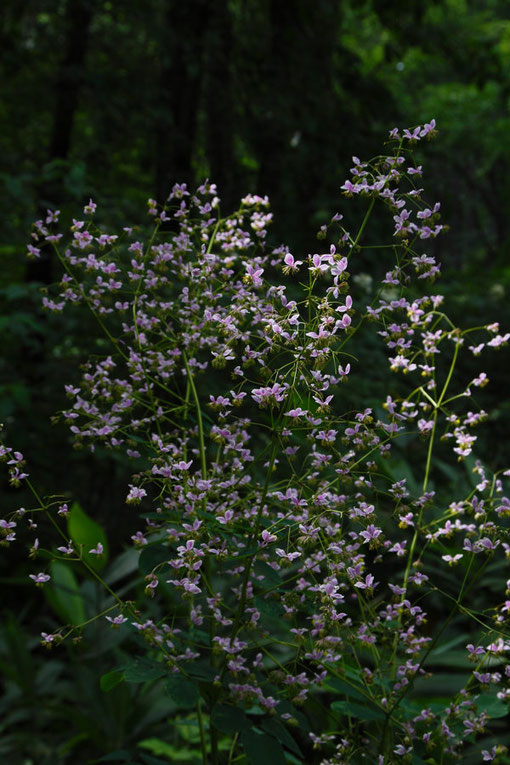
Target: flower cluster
297	562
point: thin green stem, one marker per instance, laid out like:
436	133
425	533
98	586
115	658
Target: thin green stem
232	749
363	223
201	440
203	745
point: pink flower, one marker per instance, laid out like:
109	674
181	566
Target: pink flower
295	413
267	537
368	584
135	495
291	265
370	534
40	578
452	559
66	550
253	274
116	620
287	556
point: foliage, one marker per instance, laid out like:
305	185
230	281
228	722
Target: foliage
304	592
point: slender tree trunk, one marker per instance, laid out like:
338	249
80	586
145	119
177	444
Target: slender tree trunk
181	56
69	79
219	102
71	75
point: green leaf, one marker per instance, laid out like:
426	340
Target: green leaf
120	755
269	607
270	575
86	534
417	760
285	707
449	644
183	691
360	712
448	659
141	670
261	749
148	760
245	554
493	706
275	728
159	747
445	684
344	688
122	566
229	719
151	556
202	670
469	465
111	679
63	593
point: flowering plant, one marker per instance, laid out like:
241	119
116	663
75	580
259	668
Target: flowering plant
288	566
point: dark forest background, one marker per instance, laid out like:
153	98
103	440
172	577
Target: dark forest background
119	99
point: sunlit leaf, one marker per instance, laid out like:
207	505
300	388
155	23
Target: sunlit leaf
63	593
110	680
86	534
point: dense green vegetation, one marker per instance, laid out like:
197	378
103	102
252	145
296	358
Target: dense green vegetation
118	101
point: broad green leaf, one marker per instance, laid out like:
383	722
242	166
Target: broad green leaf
452	472
122	566
71	744
359	711
397	469
417	760
344	688
269	607
441	684
469	465
121	755
229	719
111	679
261	749
63	593
86	533
285	707
271	576
493	706
159	747
449	659
148	760
449	644
151	556
245	554
183	691
202	670
275	728
141	670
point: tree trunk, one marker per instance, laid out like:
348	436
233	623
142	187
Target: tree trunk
70	77
219	103
181	56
